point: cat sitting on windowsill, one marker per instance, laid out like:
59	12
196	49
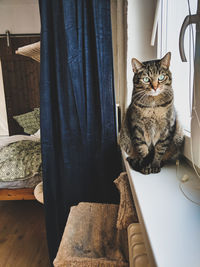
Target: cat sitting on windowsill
151	133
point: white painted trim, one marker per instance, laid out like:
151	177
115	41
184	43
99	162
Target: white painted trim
155	23
140	19
162	26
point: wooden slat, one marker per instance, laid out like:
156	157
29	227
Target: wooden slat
20	79
17	194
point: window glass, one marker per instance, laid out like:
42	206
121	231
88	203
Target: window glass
172	15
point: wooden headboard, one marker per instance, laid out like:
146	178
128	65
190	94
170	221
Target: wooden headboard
20	79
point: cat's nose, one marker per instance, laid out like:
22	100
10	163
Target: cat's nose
155	85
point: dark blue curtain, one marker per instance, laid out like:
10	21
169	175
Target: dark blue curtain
78	126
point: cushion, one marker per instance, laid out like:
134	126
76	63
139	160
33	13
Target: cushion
37	134
20	160
37	114
29	121
31	50
127	212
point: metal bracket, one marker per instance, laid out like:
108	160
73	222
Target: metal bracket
8	38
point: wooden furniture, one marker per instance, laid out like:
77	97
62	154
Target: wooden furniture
21	88
20	79
17	194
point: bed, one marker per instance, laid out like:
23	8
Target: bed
20	152
20	166
20	69
20	159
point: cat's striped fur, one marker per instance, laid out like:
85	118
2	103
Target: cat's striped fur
151	133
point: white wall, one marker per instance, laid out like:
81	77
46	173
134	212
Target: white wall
17	16
140	24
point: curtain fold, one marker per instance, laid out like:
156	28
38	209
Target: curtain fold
78	126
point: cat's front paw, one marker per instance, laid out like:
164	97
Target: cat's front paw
146	170
150	169
134	163
155	167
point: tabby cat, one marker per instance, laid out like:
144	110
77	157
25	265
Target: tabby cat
151	133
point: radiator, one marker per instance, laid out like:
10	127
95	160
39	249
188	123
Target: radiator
137	251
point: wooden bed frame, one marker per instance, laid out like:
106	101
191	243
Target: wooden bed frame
24	71
17	194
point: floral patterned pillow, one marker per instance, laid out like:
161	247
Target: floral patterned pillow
37	114
29	121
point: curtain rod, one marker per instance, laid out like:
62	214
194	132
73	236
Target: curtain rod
20	35
8	35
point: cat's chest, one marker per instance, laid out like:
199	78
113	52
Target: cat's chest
155	122
154	115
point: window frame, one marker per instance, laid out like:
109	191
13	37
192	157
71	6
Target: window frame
191	145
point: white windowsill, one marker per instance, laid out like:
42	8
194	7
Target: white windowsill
170	222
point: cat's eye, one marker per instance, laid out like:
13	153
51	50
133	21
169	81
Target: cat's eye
146	79
161	77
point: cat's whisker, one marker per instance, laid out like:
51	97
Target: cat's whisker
138	93
143	97
136	97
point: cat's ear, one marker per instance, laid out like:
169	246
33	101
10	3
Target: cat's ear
136	65
165	61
